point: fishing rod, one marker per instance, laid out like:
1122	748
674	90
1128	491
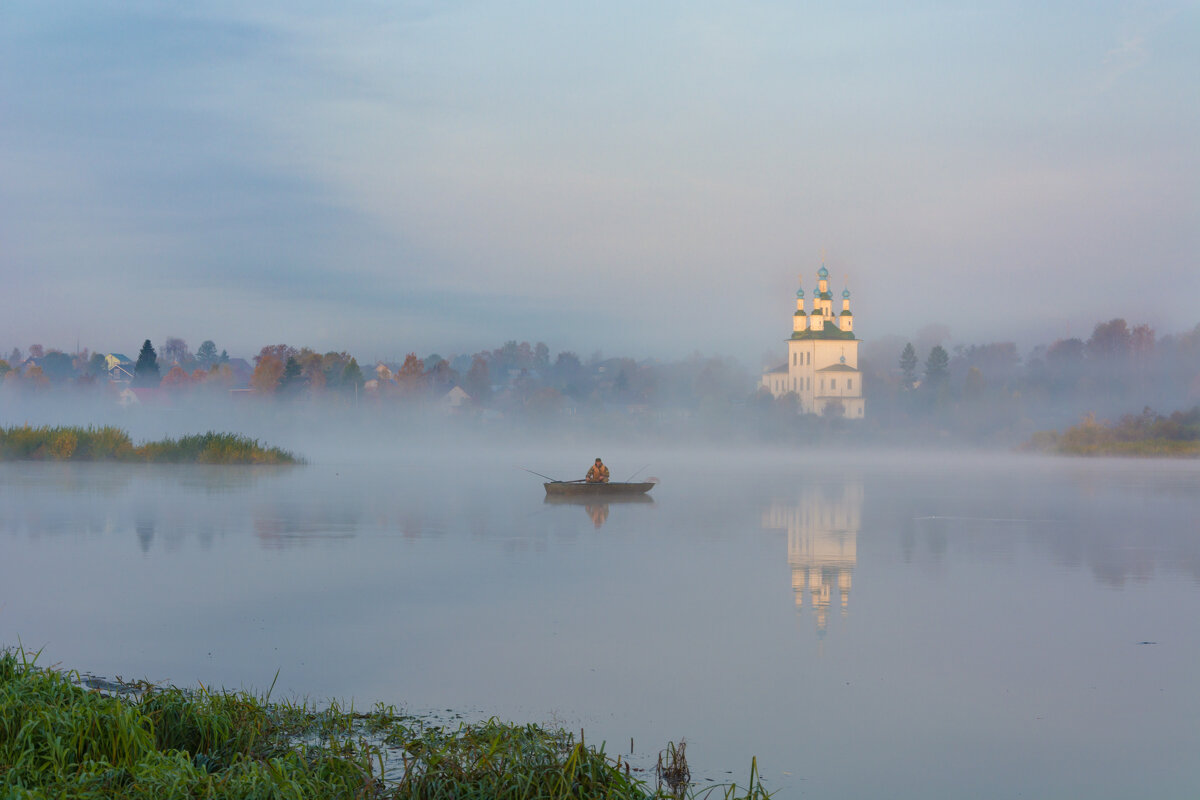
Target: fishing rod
634	475
540	475
547	477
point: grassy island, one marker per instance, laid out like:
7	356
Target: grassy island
1147	435
59	443
61	739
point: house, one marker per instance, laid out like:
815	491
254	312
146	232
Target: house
455	399
119	366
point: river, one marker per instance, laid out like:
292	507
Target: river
866	625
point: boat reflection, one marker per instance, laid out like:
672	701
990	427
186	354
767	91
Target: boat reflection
822	544
596	509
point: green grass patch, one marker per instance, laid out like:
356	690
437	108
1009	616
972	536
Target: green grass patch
106	443
59	739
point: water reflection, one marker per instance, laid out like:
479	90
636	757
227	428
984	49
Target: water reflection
822	544
597	510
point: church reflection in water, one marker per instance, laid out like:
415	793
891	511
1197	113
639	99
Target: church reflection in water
822	545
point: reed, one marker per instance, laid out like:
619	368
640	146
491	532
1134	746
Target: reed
106	443
58	739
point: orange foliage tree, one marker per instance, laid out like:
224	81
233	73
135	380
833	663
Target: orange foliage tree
176	378
265	379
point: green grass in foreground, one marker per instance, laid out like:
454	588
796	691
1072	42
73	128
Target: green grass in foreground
59	740
60	443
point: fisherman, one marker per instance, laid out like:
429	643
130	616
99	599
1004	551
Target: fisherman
598	473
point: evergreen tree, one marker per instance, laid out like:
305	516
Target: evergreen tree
937	366
145	372
908	365
292	380
352	376
207	354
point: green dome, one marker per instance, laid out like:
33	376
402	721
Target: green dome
846	294
800	293
822	272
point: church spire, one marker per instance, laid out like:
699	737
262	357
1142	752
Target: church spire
799	319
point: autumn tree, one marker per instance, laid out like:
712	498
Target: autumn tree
175	351
410	375
1141	341
1110	340
5	368
478	382
267	373
35	378
176	378
220	375
36	351
145	371
280	351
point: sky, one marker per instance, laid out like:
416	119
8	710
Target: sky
638	179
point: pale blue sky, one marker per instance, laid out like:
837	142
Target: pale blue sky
642	179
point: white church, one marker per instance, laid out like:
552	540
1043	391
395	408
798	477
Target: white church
822	357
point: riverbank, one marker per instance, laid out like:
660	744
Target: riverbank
66	736
1148	435
107	443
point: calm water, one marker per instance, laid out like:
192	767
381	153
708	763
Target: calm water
867	627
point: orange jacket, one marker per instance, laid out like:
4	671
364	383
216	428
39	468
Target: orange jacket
597	474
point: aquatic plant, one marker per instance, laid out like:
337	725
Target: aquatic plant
59	739
58	443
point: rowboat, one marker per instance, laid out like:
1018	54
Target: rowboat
578	489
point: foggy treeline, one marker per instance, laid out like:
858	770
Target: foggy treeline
989	392
980	393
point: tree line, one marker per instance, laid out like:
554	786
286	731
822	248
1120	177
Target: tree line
983	392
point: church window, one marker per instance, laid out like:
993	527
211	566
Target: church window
793	359
849	383
833	383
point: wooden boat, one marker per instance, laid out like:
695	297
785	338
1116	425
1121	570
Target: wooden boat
588	490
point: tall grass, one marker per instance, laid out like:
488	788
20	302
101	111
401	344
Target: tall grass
107	443
60	443
59	740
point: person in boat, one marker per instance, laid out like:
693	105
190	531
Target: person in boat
598	473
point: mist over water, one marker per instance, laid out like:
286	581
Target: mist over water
865	623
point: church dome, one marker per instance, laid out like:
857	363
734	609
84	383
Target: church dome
845	294
800	293
822	272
